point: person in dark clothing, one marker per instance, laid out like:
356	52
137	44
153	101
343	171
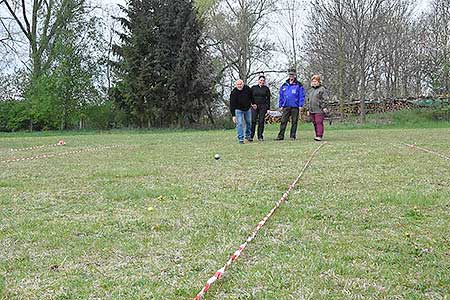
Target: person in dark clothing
292	96
261	97
241	100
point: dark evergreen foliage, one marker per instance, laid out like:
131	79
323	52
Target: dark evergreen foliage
162	65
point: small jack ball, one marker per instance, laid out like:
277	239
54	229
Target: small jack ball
217	157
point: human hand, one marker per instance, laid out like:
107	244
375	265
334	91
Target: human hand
307	113
234	120
325	110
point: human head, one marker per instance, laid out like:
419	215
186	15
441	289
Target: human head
315	80
240	84
292	74
261	80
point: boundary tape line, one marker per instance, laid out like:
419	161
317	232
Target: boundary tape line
413	146
32	148
219	273
41	156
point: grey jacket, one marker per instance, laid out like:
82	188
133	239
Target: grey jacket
316	99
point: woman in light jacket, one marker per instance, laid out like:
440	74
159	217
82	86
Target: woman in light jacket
316	105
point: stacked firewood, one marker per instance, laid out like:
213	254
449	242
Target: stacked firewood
274	116
354	108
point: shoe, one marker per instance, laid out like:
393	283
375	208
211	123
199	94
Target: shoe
279	139
249	139
241	142
317	138
293	139
260	140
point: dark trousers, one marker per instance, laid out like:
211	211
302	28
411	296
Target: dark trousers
289	112
258	116
317	120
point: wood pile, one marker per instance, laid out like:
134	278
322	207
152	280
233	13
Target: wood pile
372	107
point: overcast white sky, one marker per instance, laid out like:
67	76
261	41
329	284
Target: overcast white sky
420	3
111	2
111	6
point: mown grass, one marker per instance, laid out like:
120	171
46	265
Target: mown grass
404	119
156	217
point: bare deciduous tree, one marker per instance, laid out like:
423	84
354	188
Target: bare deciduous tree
437	34
289	19
235	30
39	22
362	46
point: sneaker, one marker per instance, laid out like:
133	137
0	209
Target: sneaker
293	138
317	138
279	139
249	139
260	140
241	142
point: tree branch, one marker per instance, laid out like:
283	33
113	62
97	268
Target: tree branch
24	13
16	18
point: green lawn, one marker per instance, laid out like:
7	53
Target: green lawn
157	216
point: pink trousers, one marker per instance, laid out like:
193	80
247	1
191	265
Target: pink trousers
317	119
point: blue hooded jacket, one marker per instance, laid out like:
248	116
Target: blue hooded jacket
291	95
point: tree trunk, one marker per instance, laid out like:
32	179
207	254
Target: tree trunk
210	114
180	120
63	118
418	86
363	96
294	50
341	71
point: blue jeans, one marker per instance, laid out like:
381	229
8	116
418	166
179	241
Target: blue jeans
240	115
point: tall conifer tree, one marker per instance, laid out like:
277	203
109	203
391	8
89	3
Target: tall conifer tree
161	59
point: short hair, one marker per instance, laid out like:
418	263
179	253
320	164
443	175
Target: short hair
262	76
316	77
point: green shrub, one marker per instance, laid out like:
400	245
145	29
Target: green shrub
14	115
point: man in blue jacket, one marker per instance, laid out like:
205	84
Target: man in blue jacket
292	97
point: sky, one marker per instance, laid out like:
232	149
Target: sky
111	5
107	2
421	4
111	2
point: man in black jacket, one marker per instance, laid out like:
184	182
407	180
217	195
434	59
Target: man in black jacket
240	102
261	97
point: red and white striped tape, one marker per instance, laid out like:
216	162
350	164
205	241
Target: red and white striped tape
31	148
60	143
414	146
219	273
56	154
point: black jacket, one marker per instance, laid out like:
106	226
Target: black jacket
261	95
241	99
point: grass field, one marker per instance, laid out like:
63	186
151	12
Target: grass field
157	216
